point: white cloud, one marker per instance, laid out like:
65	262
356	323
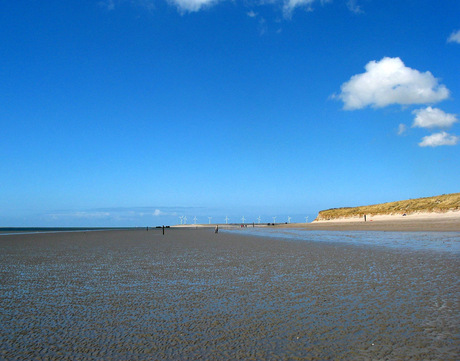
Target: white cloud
107	4
352	6
184	6
192	5
80	214
389	81
112	4
262	26
454	37
290	5
157	212
438	139
433	118
401	129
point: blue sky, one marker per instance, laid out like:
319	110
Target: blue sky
136	112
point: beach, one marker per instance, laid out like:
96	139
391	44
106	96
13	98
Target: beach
193	294
422	222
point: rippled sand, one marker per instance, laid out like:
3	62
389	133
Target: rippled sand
192	294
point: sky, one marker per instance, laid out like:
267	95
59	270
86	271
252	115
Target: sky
138	112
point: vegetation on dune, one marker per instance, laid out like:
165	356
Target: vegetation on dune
442	203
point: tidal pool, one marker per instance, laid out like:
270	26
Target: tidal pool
432	241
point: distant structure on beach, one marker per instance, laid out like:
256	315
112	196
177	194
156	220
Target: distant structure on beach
274	219
209	219
243	219
181	219
226	219
289	219
194	219
306	219
258	220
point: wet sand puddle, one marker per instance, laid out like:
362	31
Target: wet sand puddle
196	295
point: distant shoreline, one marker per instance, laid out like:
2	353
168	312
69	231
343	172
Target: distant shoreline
420	222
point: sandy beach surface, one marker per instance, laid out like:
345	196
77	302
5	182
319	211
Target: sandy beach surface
424	222
192	294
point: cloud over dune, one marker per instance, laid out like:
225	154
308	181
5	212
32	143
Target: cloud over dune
389	81
438	139
433	118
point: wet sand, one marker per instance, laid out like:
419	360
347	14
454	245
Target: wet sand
192	294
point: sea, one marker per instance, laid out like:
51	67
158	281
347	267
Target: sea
27	230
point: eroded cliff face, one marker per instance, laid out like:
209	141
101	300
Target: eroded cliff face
336	214
436	204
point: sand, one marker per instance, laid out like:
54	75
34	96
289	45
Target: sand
424	222
192	294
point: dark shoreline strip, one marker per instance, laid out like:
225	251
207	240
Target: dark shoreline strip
5	231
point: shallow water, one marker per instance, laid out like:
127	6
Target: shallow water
197	295
430	241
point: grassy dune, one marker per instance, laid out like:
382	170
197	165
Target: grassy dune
443	203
